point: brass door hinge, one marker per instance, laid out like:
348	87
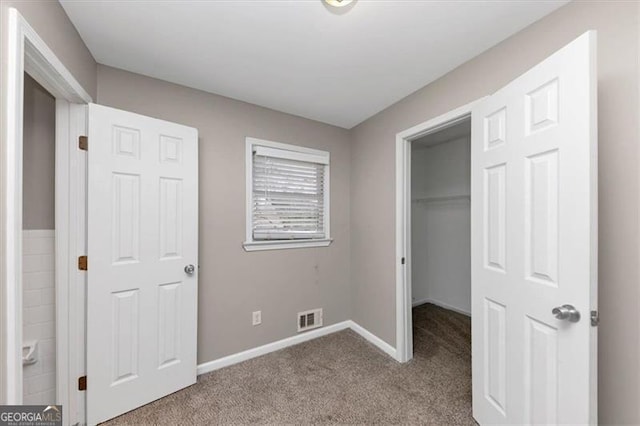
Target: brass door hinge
83	263
83	143
82	383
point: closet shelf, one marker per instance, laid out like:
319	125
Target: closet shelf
426	200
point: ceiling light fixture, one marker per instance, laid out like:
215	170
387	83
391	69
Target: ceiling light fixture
338	3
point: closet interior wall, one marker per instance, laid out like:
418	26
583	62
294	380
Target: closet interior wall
440	216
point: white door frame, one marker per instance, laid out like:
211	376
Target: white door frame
404	337
29	53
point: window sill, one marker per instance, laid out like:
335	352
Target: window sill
280	245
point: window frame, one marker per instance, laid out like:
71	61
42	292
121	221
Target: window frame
253	245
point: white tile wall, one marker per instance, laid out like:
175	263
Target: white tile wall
38	302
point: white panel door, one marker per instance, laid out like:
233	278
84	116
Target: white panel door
143	231
534	244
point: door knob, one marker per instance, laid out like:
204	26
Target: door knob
189	269
566	312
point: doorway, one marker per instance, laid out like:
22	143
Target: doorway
174	314
441	219
58	314
441	251
423	141
38	247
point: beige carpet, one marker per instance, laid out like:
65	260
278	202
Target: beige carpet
340	378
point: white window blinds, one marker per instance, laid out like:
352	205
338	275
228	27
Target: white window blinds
288	197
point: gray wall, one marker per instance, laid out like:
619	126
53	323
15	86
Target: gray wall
52	24
39	157
233	283
373	182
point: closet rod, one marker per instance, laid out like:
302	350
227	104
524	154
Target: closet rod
441	199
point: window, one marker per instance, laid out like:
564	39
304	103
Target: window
287	196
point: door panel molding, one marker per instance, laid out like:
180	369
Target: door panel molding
143	230
550	187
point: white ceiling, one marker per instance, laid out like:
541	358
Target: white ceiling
299	56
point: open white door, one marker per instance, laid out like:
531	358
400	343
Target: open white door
143	232
534	244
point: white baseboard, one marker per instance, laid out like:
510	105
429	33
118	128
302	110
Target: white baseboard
372	338
441	304
226	361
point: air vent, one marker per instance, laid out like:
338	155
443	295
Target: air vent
309	319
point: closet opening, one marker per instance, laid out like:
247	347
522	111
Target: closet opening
441	249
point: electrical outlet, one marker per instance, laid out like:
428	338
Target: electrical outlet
257	318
